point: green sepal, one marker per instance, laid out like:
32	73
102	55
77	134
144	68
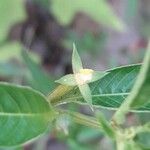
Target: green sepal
76	61
86	93
67	80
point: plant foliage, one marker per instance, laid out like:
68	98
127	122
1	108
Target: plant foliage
26	114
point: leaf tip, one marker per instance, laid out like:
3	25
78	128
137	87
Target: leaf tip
74	50
57	81
74	46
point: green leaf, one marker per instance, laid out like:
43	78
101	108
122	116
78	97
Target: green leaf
12	148
140	95
11	12
40	80
76	61
98	10
109	91
24	114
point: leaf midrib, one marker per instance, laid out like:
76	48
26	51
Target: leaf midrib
24	114
98	95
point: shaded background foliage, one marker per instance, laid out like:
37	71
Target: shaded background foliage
47	29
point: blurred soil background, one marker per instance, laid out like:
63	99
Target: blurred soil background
109	33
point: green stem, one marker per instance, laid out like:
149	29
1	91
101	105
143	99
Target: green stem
55	97
132	101
120	145
82	119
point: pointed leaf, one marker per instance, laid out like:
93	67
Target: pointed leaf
24	114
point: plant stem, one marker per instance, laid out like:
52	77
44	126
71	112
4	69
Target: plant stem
55	97
120	145
132	101
82	119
